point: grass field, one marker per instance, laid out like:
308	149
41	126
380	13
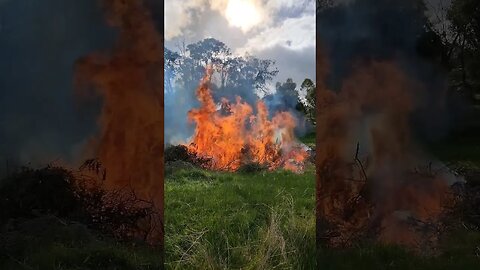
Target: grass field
50	244
262	220
459	250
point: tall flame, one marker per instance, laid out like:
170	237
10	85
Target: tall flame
234	135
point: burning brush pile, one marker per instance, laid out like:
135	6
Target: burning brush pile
374	182
233	134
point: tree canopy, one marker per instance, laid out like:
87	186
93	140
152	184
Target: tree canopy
241	75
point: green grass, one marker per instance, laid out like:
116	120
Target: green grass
263	220
459	250
309	139
47	243
463	149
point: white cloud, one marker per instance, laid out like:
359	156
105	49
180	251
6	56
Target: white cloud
179	14
245	14
250	16
276	5
292	33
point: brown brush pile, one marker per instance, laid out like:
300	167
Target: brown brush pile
374	182
77	197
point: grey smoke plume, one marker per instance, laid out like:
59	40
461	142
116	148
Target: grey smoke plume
39	42
396	30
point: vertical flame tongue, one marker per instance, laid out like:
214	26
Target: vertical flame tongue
234	135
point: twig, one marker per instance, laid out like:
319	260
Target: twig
359	162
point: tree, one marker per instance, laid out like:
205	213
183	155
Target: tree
285	97
242	75
324	4
172	60
464	16
288	92
308	87
212	52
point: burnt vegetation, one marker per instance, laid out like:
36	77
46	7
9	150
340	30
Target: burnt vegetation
414	181
76	197
58	218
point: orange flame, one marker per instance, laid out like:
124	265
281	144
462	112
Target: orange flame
234	135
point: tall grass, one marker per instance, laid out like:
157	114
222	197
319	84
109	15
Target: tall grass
263	220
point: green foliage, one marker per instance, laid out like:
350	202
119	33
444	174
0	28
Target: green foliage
287	89
309	140
251	168
235	73
464	16
308	86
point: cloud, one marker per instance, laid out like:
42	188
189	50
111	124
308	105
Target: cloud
293	33
244	14
297	65
178	15
250	16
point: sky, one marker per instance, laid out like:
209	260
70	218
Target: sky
280	30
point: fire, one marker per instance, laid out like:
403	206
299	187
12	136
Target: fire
128	78
233	135
370	179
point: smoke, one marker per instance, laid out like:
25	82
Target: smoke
177	104
394	30
129	80
278	102
182	99
374	180
40	120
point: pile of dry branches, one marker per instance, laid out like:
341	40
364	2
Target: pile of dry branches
79	196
